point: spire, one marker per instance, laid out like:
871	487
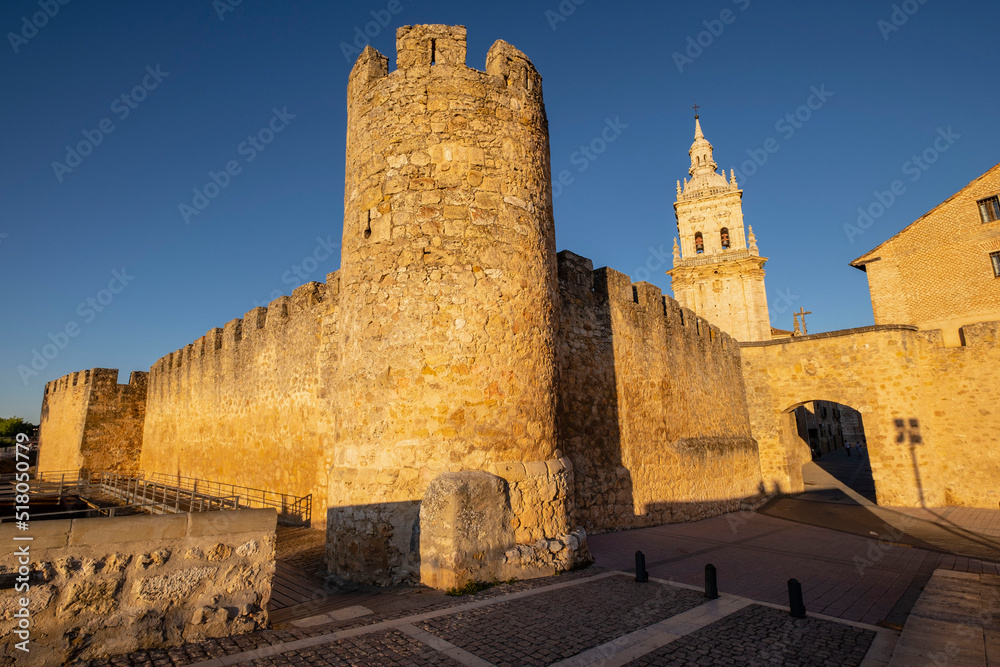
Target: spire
703	169
753	241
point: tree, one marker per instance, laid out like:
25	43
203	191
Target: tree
11	426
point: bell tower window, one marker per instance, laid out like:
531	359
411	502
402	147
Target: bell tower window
724	236
699	243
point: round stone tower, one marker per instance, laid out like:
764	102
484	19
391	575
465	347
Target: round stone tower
448	288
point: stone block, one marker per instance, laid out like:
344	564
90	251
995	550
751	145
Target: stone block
231	522
102	531
44	534
465	520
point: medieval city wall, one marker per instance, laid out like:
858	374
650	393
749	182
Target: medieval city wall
930	434
244	404
90	421
652	411
114	585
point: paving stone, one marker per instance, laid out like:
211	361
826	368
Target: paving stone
541	629
759	635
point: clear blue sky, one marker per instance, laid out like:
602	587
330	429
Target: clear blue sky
63	233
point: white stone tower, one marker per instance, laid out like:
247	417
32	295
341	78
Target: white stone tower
716	274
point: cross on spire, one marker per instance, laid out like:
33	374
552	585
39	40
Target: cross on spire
802	313
696	107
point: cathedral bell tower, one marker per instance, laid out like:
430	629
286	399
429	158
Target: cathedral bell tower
716	274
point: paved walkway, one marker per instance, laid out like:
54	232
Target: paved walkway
955	622
585	618
841	483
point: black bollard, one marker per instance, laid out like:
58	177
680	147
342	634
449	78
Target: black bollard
711	584
641	575
796	607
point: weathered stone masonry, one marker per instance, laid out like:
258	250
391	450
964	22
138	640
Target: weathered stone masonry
454	340
93	422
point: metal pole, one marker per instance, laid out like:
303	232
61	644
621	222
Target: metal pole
641	575
711	583
796	606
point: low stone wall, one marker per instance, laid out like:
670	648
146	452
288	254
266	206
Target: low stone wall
107	586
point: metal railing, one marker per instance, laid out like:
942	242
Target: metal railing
138	492
292	510
158	494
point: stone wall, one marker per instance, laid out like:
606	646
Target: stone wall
246	404
652	410
926	408
90	421
109	586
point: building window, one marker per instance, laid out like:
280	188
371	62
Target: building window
724	234
995	258
699	243
989	208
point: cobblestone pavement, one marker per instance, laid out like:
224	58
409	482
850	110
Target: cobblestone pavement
379	648
527	632
756	636
588	617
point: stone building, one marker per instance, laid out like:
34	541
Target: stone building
716	273
941	271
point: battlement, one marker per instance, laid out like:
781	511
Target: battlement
95	376
430	45
980	334
264	319
441	50
645	302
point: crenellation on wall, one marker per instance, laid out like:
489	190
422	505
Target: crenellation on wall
426	45
90	421
232	334
254	319
244	403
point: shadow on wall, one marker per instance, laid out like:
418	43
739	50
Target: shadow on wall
587	400
651	406
375	544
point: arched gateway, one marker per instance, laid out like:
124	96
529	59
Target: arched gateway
929	423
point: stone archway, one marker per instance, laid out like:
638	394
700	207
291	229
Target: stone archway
874	370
